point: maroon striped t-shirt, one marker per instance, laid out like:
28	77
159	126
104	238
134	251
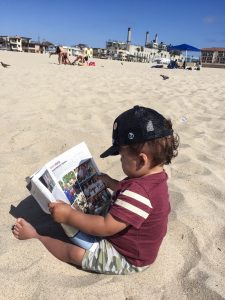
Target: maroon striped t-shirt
143	203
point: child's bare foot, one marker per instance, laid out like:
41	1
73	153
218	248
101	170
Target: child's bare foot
23	230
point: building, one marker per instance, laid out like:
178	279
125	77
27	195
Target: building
72	51
36	47
100	53
25	44
137	52
127	51
85	50
31	47
213	57
13	43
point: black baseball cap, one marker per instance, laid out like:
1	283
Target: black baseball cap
136	125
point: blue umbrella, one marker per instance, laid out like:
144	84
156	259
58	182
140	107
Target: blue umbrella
184	47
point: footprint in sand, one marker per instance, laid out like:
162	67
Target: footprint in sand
194	168
191	169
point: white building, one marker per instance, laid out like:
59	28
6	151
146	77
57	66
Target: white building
72	51
127	51
136	52
17	43
13	43
76	50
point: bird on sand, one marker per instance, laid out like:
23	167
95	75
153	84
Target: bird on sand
164	77
4	65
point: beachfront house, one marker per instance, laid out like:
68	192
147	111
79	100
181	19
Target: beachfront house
25	44
72	51
36	47
4	42
100	53
30	46
85	50
213	57
79	50
13	43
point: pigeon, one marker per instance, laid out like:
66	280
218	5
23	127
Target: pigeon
4	65
164	77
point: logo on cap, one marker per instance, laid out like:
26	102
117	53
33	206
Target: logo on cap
130	135
150	126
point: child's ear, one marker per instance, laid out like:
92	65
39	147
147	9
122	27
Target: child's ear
143	160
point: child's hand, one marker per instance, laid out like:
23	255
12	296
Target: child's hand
60	211
108	181
105	179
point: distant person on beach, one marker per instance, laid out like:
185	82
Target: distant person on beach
65	59
62	55
127	239
176	64
173	64
197	66
81	60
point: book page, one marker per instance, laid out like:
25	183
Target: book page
84	190
73	178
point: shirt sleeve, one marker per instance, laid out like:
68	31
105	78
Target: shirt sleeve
132	205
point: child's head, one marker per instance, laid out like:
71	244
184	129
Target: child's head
142	136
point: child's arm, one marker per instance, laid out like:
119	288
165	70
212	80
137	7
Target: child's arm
90	224
111	183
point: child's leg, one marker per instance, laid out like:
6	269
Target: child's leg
66	252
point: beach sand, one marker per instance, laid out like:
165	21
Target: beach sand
48	108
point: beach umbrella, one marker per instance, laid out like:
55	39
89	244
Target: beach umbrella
185	47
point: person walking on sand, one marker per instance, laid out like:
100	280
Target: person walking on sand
127	239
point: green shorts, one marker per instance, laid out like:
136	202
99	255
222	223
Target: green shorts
102	257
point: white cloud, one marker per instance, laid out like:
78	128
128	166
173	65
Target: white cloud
209	19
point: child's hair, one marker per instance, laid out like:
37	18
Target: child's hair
159	150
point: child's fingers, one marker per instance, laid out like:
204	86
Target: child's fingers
59	201
101	175
51	207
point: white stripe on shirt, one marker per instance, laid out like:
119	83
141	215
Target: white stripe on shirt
137	197
132	208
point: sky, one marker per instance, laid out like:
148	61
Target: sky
200	23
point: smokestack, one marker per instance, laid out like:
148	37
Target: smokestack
129	36
156	38
146	38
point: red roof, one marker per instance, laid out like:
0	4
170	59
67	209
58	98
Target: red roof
213	49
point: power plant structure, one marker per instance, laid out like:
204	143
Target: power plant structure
128	51
129	35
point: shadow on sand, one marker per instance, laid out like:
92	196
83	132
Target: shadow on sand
42	222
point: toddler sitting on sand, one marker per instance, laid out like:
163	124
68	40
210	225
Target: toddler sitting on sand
128	238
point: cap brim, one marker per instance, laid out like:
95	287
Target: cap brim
113	150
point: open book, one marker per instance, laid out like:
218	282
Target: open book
72	178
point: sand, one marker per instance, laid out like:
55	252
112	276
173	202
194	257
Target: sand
47	108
